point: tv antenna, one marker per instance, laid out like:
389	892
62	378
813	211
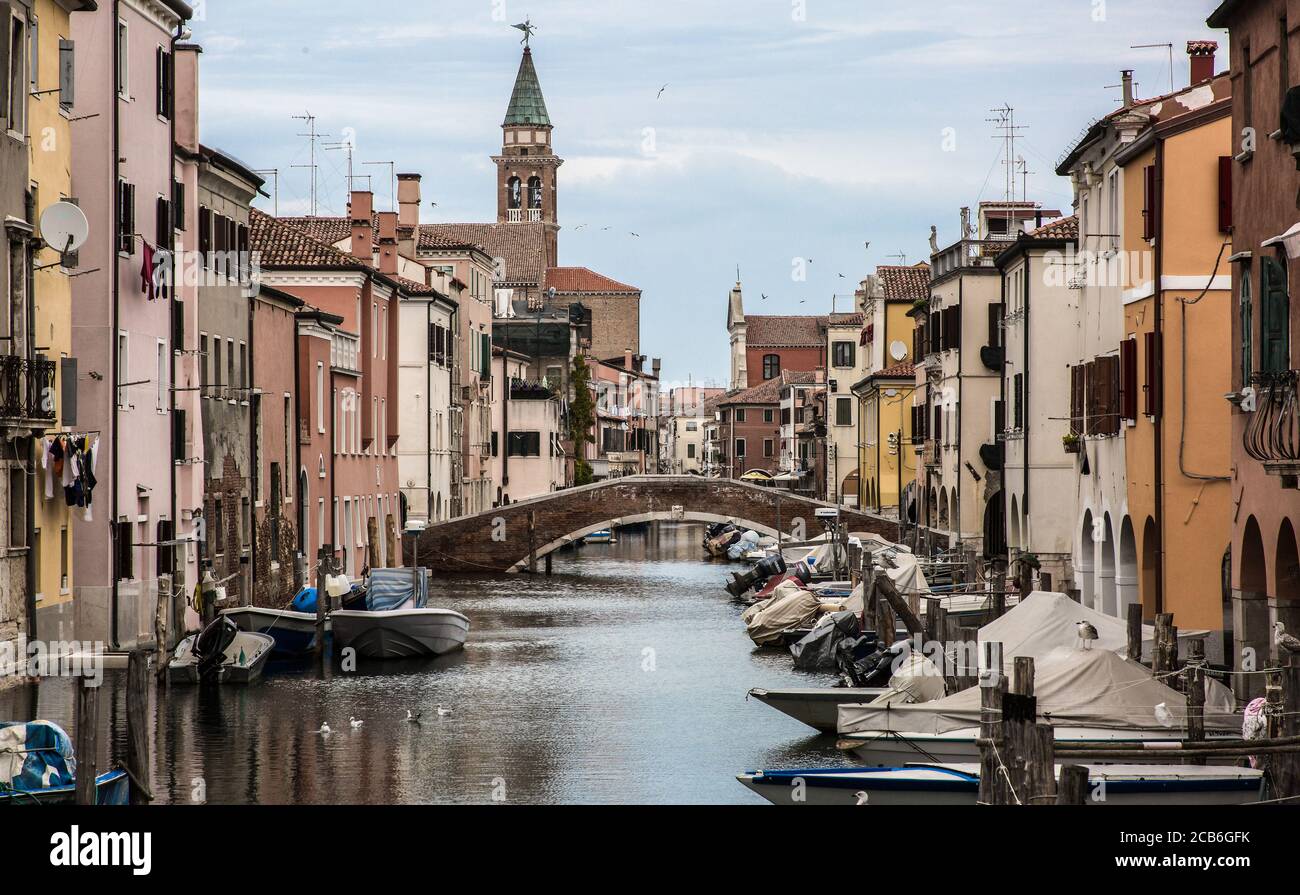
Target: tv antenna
274	174
312	136
1168	46
1007	130
392	171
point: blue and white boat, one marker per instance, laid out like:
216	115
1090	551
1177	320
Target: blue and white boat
604	536
958	784
38	767
293	630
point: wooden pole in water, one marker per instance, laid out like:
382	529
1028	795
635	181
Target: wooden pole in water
532	542
87	744
993	687
886	587
1160	660
1022	676
323	566
1196	694
137	727
1072	788
1135	632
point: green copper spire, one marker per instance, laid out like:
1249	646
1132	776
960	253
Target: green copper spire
526	103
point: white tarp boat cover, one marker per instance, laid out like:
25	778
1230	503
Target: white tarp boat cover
916	680
1044	621
1074	687
790	606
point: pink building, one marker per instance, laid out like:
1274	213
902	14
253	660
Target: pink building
122	333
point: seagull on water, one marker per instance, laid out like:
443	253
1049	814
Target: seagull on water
356	725
324	730
1087	634
442	712
413	717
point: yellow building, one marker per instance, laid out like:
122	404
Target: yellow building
49	112
1175	359
886	461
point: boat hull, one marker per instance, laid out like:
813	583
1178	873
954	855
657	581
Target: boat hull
111	788
184	668
818	707
399	633
294	633
1120	785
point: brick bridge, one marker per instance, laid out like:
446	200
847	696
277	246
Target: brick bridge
502	539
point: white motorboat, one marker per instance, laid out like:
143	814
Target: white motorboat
818	707
958	784
396	623
220	653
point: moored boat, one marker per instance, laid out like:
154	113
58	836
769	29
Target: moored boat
38	767
958	784
220	653
396	622
294	633
818	707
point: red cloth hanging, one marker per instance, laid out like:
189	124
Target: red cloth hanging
146	271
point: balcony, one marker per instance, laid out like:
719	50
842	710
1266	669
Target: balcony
1273	433
966	253
26	390
344	350
520	215
930	454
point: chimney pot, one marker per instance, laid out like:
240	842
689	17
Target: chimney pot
408	200
1201	55
1126	77
363	238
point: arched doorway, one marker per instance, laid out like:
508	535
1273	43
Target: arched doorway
1250	616
304	503
849	489
1013	525
1287	572
1106	570
1126	581
943	509
1150	565
995	528
1084	568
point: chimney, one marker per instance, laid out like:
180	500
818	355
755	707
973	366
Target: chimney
656	365
388	243
1201	53
1126	79
408	200
360	209
627	359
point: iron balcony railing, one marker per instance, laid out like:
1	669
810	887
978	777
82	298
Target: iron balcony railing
26	389
1273	432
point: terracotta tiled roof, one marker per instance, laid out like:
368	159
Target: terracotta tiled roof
846	320
1065	228
521	247
897	371
411	287
908	283
582	279
284	246
768	392
328	230
785	332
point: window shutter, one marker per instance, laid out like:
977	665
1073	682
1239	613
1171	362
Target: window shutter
164	221
1246	311
1128	379
954	328
67	72
68	389
1274	323
1092	390
178	327
995	325
1152	351
1149	211
179	453
166	532
1076	399
1000	418
1112	367
205	235
1018	412
5	12
178	204
1225	194
125	551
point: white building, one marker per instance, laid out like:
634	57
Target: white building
528	458
426	355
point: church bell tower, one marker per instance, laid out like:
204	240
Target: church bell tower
527	166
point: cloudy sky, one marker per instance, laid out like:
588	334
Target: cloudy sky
789	129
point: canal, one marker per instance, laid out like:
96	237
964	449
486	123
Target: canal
619	679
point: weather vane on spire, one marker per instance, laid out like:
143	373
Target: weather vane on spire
528	28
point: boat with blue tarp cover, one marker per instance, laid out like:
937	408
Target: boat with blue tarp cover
38	767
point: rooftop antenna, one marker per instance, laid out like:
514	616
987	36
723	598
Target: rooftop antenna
349	148
1170	47
274	174
1007	131
392	170
901	256
1024	175
313	136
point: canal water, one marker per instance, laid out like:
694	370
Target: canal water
619	679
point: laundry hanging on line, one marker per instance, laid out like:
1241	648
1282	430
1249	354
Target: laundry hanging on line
70	459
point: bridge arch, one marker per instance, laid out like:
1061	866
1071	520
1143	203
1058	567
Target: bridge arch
504	538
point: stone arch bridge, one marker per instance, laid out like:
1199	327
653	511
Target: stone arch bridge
505	538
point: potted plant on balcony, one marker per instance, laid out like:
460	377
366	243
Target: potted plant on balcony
1071	442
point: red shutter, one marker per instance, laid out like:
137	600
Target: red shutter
1128	378
1225	194
1076	399
1152	351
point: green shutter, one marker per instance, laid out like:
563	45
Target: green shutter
1275	317
1247	328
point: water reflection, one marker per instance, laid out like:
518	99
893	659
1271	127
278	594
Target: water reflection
621	678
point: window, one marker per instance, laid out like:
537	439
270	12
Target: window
842	354
123	369
768	447
692	427
16	88
1150	215
67	73
126	217
1245	310
231	382
843	411
1018	399
1274	318
161	377
690	452
740	414
771	366
740	448
320	397
123	55
525	444
768	415
165	69
64	560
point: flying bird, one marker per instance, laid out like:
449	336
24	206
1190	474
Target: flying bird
637	235
1087	634
661	91
1284	640
764	297
579	227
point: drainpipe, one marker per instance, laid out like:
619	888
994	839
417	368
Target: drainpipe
303	509
1002	397
428	419
115	373
1157	424
1025	415
172	312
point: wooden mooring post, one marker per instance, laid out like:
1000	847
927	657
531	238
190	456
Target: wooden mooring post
532	542
1195	672
1072	787
137	727
86	747
1164	653
1017	754
1134	619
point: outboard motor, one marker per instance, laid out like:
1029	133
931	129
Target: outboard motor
803	571
757	576
210	646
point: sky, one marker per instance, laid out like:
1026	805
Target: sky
801	141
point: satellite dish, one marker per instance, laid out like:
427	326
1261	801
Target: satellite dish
897	350
64	227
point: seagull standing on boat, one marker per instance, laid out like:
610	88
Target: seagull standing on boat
860	797
1283	640
1087	634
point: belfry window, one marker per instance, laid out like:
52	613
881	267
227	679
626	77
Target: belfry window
512	193
534	192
